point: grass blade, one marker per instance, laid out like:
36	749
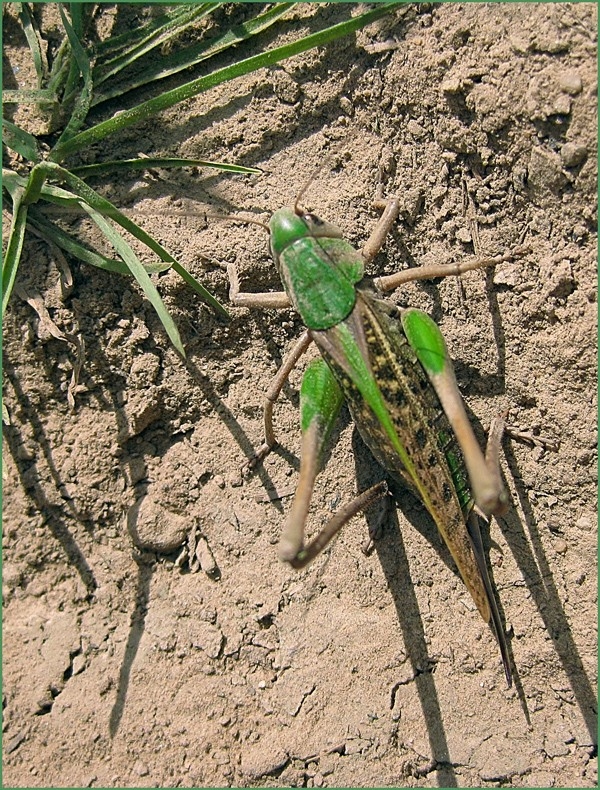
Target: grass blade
153	106
19	140
137	270
146	163
155	36
107	208
55	235
80	14
87	198
84	95
191	56
12	258
38	54
28	96
176	17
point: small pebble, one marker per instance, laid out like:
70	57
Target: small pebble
346	105
221	757
452	85
584	523
141	769
13	743
562	106
545	173
79	662
570	82
417	131
560	546
462	234
573	154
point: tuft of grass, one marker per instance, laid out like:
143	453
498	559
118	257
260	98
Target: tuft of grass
75	82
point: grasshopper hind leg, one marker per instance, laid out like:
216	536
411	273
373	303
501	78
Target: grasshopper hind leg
302	554
321	399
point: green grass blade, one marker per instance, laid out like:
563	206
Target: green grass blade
79	13
137	270
84	96
156	36
28	96
52	233
37	178
85	197
12	257
19	140
59	69
13	183
176	17
168	65
153	106
59	197
38	54
146	163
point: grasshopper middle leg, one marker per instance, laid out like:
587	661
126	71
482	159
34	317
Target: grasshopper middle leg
273	393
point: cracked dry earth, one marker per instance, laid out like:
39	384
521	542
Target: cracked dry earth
122	666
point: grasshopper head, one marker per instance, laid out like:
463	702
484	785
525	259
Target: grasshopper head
289	225
318	268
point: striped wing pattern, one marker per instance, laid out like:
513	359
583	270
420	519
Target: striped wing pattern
402	422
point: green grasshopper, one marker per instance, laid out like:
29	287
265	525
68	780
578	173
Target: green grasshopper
393	369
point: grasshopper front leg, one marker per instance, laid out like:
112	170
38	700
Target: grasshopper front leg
277	300
321	399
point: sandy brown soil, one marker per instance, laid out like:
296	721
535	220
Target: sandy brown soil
122	668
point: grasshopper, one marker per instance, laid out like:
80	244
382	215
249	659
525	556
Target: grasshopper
393	369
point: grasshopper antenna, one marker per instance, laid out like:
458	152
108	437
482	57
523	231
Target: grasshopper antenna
237	218
297	207
197	214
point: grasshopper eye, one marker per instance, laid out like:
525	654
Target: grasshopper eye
320	228
313	220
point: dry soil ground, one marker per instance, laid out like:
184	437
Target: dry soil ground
121	668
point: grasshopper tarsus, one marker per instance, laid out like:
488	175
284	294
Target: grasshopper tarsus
531	439
492	461
306	554
368	546
259	456
376	531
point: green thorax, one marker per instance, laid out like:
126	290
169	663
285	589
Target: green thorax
318	269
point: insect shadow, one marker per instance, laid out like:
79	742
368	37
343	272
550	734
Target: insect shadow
392	555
